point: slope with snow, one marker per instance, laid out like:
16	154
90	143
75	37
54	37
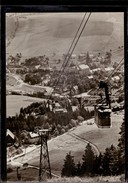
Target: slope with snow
53	33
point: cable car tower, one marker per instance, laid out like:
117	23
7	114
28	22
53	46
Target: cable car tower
44	168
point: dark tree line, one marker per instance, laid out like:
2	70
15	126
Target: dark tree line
33	78
39	115
110	163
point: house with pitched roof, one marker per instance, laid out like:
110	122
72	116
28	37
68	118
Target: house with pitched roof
10	137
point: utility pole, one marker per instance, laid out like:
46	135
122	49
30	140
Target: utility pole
44	167
80	101
18	173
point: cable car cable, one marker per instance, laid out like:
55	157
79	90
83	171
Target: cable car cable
72	51
113	72
65	62
73	48
118	66
75	37
70	47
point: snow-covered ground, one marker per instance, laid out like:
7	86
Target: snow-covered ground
61	145
12	160
21	86
15	102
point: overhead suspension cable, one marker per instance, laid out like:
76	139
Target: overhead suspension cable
117	68
72	50
74	40
69	50
69	56
117	51
113	72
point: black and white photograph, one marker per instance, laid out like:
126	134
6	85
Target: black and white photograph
65	96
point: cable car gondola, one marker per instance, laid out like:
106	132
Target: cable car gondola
103	116
103	109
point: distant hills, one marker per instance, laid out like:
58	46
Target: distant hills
53	33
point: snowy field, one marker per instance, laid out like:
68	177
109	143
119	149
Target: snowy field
61	145
15	102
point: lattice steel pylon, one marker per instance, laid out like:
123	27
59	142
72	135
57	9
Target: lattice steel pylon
44	169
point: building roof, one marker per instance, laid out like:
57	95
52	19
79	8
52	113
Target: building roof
83	66
115	78
73	55
9	133
74	108
61	110
109	68
91	55
37	66
97	69
85	94
90	77
57	104
33	135
82	54
75	87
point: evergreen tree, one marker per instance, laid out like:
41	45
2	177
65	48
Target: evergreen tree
22	112
46	125
97	164
121	146
88	161
69	169
69	107
114	163
88	58
78	169
110	161
108	56
106	162
56	133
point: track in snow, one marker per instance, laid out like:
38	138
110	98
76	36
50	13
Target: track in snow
86	141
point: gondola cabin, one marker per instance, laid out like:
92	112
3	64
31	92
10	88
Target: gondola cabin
102	116
103	108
